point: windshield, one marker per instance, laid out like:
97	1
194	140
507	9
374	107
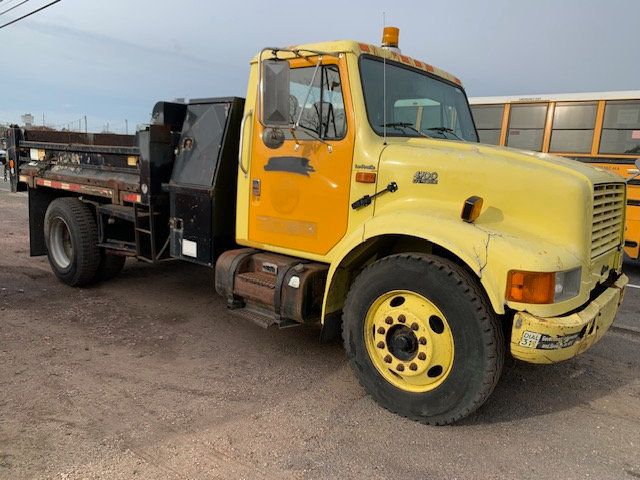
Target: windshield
417	104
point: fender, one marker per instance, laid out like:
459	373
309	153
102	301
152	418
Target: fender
443	231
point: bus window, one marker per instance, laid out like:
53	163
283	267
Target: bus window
526	126
573	125
488	120
621	127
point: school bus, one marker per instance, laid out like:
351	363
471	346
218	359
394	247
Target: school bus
599	128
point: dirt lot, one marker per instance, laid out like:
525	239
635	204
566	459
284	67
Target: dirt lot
149	376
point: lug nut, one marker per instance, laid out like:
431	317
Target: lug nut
400	367
413	366
402	319
388	358
388	320
414	326
423	341
380	344
422	356
381	330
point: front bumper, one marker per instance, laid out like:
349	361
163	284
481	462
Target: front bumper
548	340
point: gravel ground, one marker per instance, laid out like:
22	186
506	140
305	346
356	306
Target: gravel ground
149	376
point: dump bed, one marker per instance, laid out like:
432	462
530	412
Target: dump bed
93	164
167	191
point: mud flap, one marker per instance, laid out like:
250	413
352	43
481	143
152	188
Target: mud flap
39	200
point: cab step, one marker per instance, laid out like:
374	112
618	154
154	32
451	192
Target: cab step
263	319
269	288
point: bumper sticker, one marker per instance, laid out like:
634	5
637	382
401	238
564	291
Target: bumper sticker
540	341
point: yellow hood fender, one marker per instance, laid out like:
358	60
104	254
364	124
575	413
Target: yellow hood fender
445	232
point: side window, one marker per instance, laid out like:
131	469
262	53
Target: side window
318	105
488	120
621	127
526	126
573	125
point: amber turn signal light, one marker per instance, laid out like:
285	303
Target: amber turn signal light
471	209
366	177
531	287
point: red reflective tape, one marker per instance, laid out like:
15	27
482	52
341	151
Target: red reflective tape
74	187
55	184
457	80
404	59
418	63
364	47
429	68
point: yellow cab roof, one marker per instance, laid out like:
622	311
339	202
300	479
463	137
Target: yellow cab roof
358	48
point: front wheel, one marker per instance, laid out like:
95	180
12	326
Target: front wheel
422	339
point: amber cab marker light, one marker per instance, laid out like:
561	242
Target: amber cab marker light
531	287
471	209
366	177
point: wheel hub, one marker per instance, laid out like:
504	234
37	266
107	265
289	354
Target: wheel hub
409	341
60	246
402	342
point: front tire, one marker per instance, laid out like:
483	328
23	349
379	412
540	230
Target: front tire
71	236
422	338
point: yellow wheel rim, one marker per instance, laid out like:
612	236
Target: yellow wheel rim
409	341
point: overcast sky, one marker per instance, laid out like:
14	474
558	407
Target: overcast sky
113	59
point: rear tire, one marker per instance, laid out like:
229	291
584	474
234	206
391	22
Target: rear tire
422	339
71	236
110	266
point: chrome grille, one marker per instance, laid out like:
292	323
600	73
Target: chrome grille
608	213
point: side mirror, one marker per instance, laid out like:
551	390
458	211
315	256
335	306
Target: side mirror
274	94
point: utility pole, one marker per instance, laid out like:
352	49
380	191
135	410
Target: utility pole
85	125
43	119
79	125
126	126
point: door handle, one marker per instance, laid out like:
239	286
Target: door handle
240	164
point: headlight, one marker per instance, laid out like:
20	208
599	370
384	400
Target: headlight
567	284
543	287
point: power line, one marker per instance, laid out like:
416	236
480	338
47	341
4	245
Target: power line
15	6
29	14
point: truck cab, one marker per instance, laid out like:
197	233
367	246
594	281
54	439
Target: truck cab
378	162
357	197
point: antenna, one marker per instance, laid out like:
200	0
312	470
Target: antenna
384	87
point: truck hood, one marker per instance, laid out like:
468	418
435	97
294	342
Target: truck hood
525	194
522	160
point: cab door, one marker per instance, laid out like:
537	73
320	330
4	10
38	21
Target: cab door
299	197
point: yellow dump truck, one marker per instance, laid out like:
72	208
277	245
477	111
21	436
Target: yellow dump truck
349	190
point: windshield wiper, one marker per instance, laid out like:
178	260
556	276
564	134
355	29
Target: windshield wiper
398	125
444	130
